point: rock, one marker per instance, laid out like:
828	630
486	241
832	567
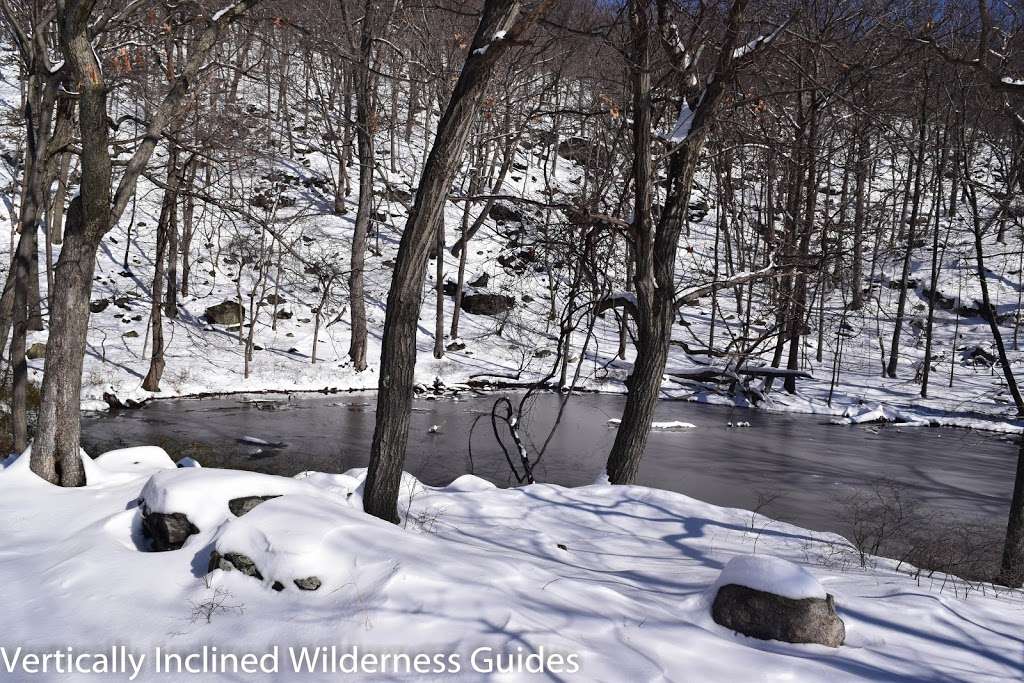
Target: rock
36	351
130	334
284	315
456	345
505	214
240	506
229	561
481	281
977	355
485	303
767	616
167	531
584	152
226	313
274	300
397	194
450	288
99	305
310	583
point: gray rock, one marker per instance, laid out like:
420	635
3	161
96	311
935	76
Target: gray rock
485	303
242	506
36	351
167	531
310	583
768	616
505	214
238	561
226	313
99	305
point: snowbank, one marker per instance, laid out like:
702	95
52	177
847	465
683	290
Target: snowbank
616	576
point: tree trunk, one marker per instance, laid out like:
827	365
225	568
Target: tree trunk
915	207
1012	568
439	290
655	249
365	125
164	240
398	352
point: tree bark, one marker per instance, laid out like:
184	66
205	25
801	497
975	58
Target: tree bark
501	23
655	246
365	125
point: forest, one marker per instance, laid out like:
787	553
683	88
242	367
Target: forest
783	207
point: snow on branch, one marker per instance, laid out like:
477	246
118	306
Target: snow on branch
691	295
758	43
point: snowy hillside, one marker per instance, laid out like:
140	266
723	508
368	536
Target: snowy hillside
521	344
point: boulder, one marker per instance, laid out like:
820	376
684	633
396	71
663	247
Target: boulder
310	583
226	313
167	531
486	303
481	281
274	300
771	599
99	305
241	506
767	616
36	351
230	561
505	214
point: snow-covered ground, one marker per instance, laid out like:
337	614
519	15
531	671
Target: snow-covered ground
614	581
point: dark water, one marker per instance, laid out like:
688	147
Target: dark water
806	464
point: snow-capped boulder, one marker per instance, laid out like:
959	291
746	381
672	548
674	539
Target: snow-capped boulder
180	502
136	460
305	543
772	599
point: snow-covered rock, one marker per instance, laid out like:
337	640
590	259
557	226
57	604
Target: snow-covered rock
299	541
136	460
771	575
204	495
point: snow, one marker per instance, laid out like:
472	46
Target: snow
1013	81
880	413
221	12
295	537
672	424
681	129
202	493
619	577
138	459
770	575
